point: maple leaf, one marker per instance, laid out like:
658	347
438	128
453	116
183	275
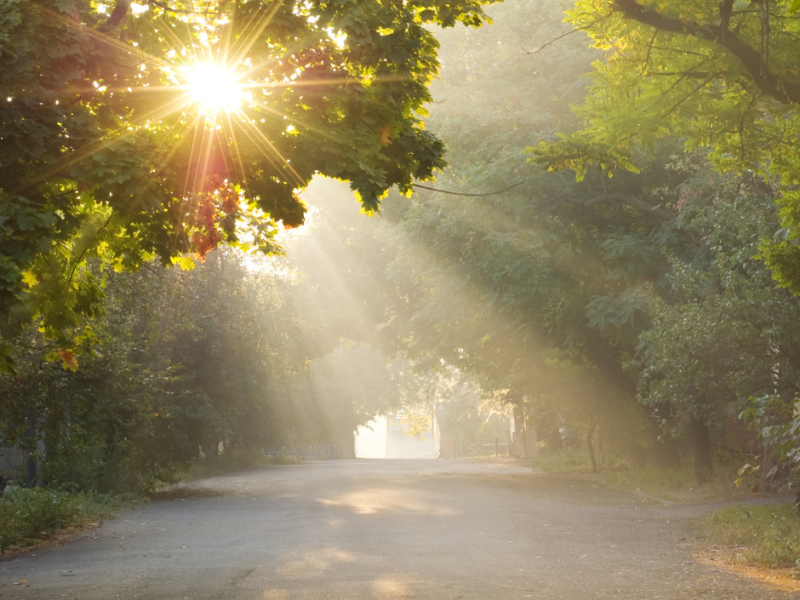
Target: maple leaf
386	135
206	212
70	362
230	200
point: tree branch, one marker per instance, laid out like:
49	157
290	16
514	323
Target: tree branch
116	16
562	36
631	201
425	187
167	8
778	88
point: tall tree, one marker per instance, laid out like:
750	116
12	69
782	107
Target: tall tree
160	128
721	75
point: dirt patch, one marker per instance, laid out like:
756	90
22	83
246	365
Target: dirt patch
60	537
724	559
185	492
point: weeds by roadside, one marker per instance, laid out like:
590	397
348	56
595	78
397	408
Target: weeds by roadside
680	485
28	516
763	536
568	460
674	484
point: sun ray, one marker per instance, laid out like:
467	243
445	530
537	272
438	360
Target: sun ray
103	37
206	135
242	175
320	82
276	152
225	41
194	144
257	31
210	90
192	47
177	43
292	120
252	133
77	155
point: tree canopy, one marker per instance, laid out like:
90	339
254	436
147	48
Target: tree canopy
719	75
158	129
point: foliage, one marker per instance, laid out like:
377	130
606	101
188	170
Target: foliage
500	285
108	155
27	515
719	75
644	282
767	536
187	359
680	483
778	424
724	327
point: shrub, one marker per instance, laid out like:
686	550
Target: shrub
28	515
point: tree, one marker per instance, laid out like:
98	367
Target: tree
183	360
502	284
725	334
721	75
156	130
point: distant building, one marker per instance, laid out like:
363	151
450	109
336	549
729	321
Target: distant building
387	437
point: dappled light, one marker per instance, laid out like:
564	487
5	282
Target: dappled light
316	563
378	500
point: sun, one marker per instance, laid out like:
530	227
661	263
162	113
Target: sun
214	87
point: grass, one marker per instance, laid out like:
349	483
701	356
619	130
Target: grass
680	484
674	484
569	460
28	516
761	536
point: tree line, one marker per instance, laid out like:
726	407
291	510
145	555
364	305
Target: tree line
633	285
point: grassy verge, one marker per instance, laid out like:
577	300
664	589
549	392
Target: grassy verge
28	516
760	536
675	484
680	484
568	460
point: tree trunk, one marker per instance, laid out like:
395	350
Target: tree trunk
30	471
348	444
519	431
348	430
702	450
590	444
665	447
29	446
212	453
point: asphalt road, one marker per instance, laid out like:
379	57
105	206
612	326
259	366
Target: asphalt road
362	529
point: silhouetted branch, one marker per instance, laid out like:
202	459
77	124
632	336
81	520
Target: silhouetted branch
780	89
116	16
425	187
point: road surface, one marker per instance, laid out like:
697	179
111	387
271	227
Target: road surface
369	529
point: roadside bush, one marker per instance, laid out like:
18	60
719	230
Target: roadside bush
28	515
